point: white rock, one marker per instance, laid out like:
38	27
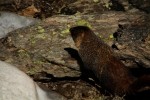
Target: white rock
16	85
10	21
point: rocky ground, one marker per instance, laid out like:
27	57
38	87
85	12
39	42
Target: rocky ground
46	52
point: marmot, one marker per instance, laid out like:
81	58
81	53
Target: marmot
98	57
16	85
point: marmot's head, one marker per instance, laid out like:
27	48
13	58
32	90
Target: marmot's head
78	34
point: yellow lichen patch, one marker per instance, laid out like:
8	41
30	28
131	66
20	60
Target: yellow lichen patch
53	33
23	53
106	39
40	29
111	36
32	40
107	5
83	23
36	38
65	32
96	1
36	68
40	36
38	62
100	36
33	70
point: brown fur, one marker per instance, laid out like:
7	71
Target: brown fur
99	58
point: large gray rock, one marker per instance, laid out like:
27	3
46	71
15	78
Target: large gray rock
10	21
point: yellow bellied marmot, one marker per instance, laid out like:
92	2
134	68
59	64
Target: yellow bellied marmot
98	57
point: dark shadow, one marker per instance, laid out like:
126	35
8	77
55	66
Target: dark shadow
117	6
85	73
145	95
114	47
74	54
45	77
117	34
137	72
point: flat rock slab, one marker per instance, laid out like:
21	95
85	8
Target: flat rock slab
44	46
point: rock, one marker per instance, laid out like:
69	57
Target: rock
10	21
131	5
16	85
143	5
90	6
46	46
134	37
14	5
4	2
